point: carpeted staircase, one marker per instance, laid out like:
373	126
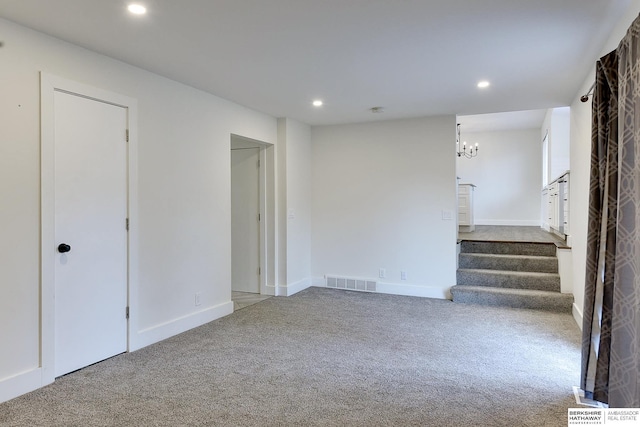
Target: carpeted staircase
512	274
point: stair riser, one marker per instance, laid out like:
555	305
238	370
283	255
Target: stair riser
561	303
523	281
508	248
488	262
510	274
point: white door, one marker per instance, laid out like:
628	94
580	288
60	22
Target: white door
90	217
245	227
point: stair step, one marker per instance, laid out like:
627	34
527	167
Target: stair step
508	248
509	279
516	298
542	264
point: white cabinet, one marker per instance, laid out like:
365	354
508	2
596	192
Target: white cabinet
563	199
544	213
552	201
558	205
465	208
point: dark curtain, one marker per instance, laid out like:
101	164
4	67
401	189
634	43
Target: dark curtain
611	323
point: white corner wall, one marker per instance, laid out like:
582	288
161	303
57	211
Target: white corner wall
508	176
579	191
379	193
183	186
294	158
557	124
580	165
560	142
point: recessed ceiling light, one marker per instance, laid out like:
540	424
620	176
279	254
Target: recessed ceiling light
137	9
483	84
317	103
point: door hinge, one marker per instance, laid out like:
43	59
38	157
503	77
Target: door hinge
127	133
127	312
127	224
259	218
259	271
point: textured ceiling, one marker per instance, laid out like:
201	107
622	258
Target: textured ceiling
412	57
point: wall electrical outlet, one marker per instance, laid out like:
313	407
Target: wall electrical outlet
403	275
447	215
197	299
382	273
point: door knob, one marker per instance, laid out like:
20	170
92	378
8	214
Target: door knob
63	247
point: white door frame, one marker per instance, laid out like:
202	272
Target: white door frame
264	217
49	84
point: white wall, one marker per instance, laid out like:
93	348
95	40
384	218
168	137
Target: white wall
294	227
580	163
183	186
507	173
298	211
557	124
379	190
579	195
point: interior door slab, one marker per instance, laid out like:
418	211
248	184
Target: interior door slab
90	215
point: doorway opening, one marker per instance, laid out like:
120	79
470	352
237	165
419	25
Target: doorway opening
251	219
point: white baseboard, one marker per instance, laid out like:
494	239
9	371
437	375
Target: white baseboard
513	222
413	290
294	288
20	384
577	315
166	330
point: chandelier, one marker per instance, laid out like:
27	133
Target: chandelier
471	152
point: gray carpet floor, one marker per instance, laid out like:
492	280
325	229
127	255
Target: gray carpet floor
331	358
511	233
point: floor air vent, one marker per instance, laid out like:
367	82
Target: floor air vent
350	284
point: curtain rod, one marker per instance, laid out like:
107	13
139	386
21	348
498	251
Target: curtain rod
585	97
